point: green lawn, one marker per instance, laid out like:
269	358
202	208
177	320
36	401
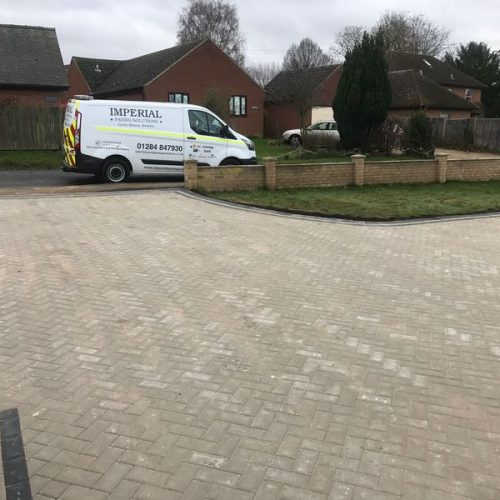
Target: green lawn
30	160
268	147
399	201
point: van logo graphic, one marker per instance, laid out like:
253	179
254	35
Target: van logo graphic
135	113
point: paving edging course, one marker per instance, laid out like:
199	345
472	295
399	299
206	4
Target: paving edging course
359	172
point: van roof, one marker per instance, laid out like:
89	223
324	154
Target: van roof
141	104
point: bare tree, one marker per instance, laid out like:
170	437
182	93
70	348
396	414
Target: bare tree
263	73
416	34
303	89
214	19
345	40
307	54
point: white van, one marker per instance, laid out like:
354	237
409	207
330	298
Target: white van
114	139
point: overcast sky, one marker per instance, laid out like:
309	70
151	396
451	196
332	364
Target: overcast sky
121	29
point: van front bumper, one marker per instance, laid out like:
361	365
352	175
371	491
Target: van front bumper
249	161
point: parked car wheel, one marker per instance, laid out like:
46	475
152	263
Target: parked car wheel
295	140
115	170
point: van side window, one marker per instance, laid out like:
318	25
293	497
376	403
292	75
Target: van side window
204	124
198	122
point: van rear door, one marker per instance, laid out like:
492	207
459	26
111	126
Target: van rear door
71	131
204	141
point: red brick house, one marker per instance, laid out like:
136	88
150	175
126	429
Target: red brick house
440	72
417	82
185	73
31	66
412	91
280	111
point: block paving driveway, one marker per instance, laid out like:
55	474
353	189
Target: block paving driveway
158	346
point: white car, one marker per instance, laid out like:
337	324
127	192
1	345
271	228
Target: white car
328	128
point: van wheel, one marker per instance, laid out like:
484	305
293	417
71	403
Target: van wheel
295	140
229	161
115	170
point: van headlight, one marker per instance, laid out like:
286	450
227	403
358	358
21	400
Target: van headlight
250	144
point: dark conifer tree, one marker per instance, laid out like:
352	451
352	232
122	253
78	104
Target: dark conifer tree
363	95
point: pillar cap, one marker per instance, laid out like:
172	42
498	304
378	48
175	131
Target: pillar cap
358	157
270	158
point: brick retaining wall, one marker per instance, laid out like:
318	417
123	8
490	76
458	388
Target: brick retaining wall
486	169
358	172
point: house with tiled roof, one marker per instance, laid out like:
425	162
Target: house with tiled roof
31	66
185	73
440	72
417	82
412	91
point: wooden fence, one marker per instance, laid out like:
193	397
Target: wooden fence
476	133
30	127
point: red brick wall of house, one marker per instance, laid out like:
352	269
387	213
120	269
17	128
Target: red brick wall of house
31	97
281	117
208	67
431	113
136	96
328	89
77	83
460	92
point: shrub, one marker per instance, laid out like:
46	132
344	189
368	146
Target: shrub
418	135
319	142
387	137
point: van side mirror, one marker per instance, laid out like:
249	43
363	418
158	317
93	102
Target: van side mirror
224	131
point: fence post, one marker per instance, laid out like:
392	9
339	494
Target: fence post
270	173
191	174
442	166
359	169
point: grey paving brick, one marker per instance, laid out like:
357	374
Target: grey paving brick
80	477
158	346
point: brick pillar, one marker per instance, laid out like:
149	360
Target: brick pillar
359	169
270	173
442	166
191	174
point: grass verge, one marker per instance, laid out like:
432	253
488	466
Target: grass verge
399	201
30	160
267	147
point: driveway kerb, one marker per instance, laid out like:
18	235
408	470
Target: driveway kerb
336	220
87	189
58	193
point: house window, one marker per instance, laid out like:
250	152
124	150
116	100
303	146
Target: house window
178	97
468	95
238	105
52	99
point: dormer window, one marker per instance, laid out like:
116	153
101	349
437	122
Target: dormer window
97	69
452	77
468	95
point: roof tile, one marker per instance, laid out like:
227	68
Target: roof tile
30	56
